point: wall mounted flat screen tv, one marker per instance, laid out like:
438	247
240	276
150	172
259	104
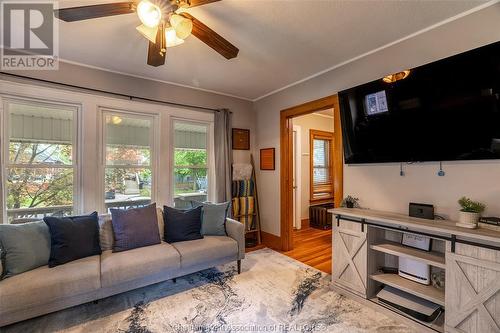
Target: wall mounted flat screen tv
444	111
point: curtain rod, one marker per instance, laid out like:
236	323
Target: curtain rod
130	97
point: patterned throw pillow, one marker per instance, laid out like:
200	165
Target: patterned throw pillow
133	228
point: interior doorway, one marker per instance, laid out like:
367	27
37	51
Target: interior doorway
289	158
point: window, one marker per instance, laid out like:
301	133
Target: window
190	163
128	156
41	166
321	163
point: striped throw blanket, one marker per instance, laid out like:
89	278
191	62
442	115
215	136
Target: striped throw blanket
243	210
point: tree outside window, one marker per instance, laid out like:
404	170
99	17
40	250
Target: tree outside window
128	172
190	164
40	169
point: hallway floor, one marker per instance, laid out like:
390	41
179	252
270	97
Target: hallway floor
311	246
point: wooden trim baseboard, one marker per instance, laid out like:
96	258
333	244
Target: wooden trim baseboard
271	241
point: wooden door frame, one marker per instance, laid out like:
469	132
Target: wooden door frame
286	161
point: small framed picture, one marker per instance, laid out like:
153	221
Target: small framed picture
267	159
241	139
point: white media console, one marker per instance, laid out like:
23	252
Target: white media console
365	240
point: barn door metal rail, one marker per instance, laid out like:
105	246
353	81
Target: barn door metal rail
452	238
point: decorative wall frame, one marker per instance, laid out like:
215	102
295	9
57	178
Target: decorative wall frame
241	139
267	159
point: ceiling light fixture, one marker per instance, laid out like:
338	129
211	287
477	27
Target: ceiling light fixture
172	39
149	33
181	25
149	14
115	120
396	77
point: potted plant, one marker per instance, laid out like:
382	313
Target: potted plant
350	202
470	213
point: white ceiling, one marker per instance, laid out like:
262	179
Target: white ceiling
280	41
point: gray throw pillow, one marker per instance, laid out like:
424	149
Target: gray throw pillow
133	228
24	247
213	220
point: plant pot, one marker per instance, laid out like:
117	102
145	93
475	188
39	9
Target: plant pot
349	204
468	220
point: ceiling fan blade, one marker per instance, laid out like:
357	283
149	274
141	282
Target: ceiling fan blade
157	52
89	12
194	3
212	39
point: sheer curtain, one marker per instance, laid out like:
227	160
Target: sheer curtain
223	155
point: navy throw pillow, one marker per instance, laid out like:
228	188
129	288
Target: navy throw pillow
136	227
72	238
182	225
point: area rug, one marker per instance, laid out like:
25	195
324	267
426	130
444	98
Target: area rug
274	293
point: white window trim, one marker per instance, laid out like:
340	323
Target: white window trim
5	99
154	143
210	155
89	104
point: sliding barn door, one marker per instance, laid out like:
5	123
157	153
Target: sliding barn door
472	290
349	256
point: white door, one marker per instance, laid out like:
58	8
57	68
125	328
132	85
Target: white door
297	220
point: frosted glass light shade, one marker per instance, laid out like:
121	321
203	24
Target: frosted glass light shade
171	37
149	33
149	14
181	25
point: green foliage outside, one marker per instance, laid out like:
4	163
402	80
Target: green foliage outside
190	167
52	186
40	187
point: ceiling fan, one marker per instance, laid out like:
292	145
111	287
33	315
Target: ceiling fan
162	24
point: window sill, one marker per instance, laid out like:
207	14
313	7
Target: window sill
321	201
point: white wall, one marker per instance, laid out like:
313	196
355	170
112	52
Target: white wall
306	123
379	186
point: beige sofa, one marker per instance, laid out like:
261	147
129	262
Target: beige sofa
44	290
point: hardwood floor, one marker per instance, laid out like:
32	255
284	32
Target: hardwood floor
313	247
310	246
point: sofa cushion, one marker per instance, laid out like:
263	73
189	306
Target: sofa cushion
106	229
210	248
182	225
44	285
72	238
24	247
122	267
134	228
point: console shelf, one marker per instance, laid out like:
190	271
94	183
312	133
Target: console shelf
367	242
431	258
427	292
436	325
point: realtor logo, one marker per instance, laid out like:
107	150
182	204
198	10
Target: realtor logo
29	35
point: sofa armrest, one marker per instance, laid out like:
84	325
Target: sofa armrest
236	230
